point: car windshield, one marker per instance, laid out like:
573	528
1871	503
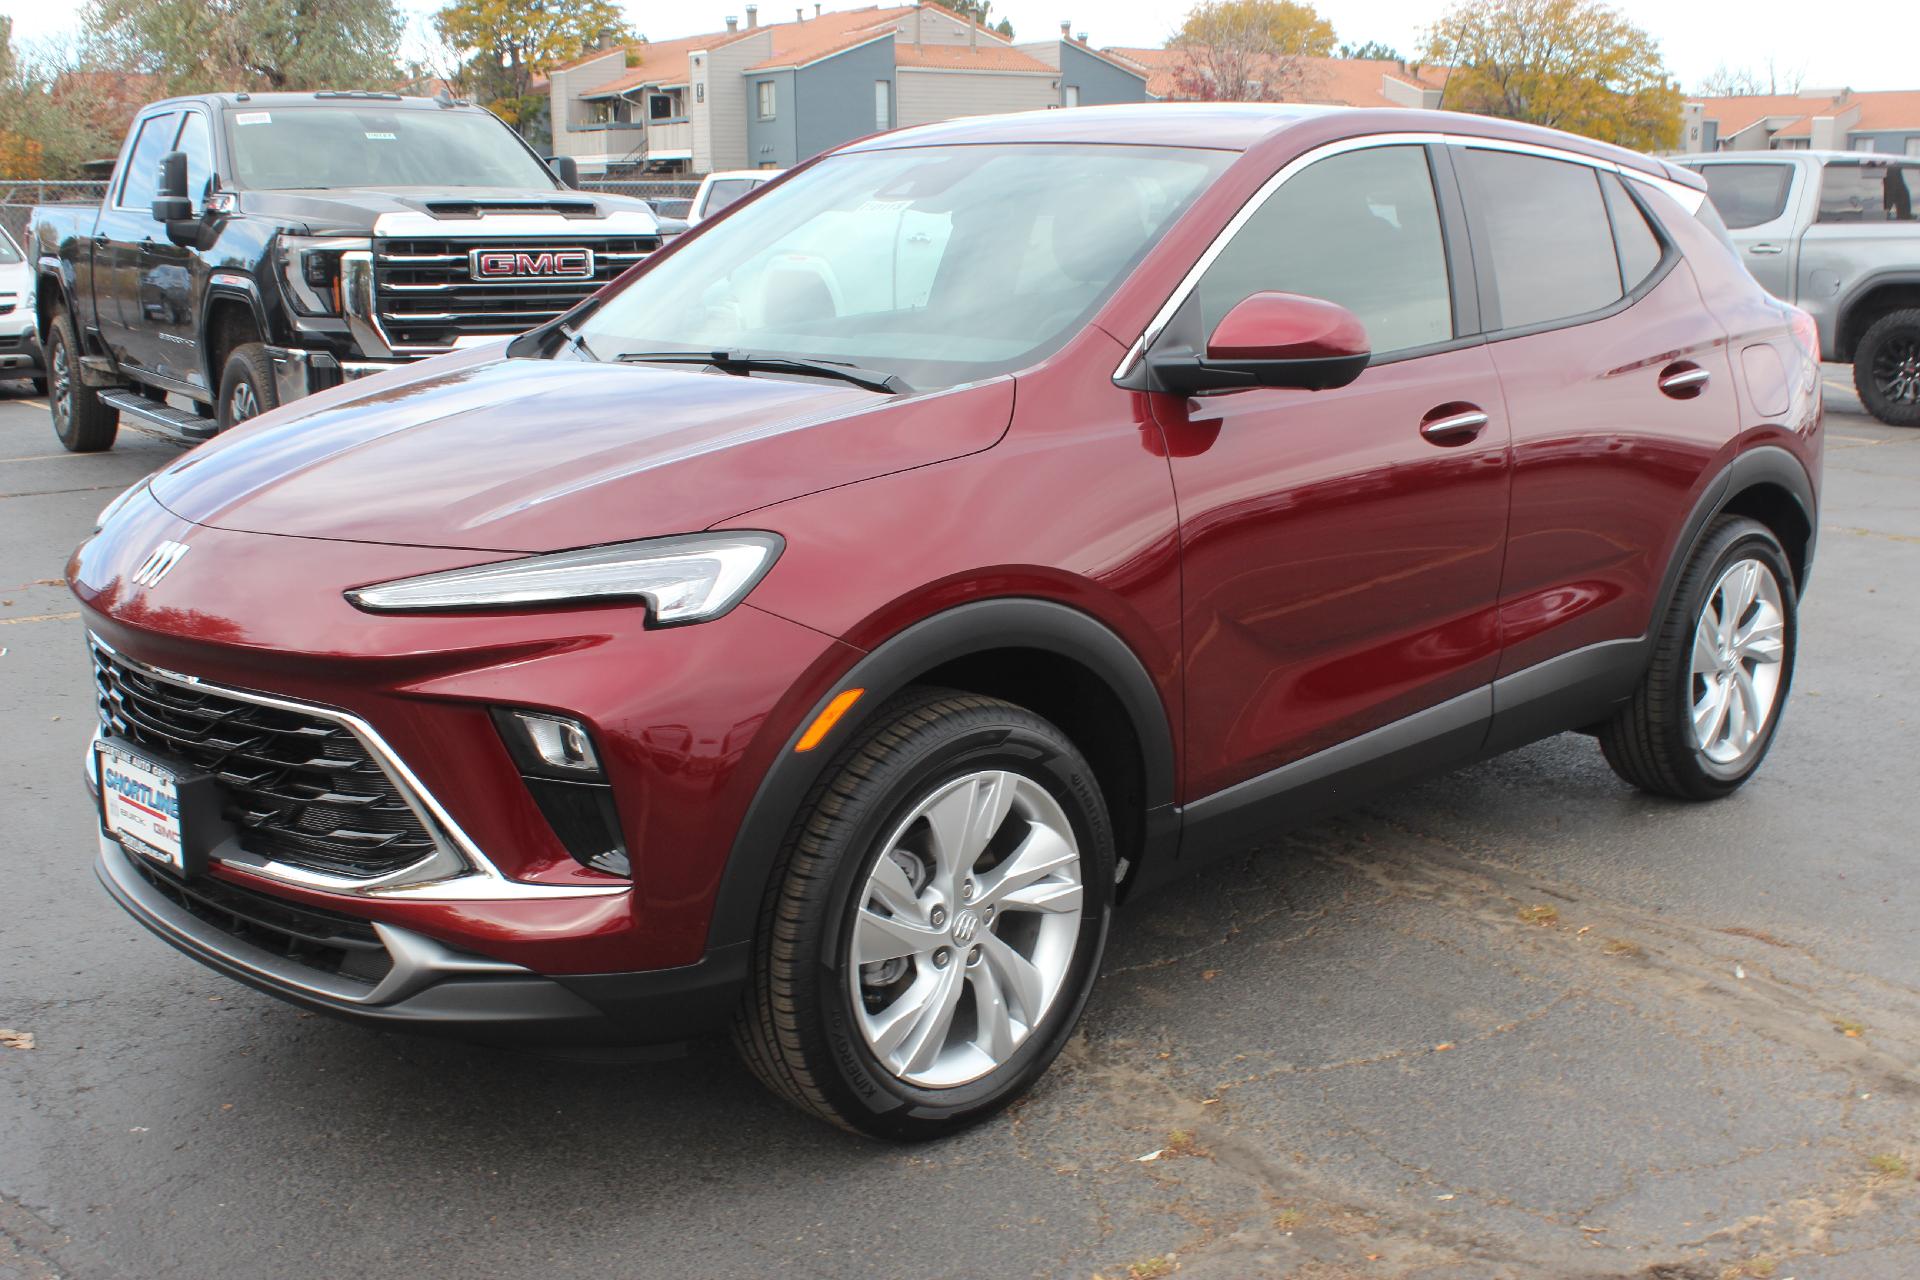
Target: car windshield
301	148
939	265
9	251
727	191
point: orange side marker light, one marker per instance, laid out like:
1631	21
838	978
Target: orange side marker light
823	723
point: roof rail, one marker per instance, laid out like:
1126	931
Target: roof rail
356	93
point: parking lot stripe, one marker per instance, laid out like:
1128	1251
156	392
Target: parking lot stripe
40	617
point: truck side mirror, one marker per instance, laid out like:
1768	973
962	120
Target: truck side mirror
170	202
565	168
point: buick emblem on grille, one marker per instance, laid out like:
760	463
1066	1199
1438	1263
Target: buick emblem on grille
531	264
159	563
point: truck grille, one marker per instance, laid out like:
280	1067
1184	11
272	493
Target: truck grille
426	297
298	788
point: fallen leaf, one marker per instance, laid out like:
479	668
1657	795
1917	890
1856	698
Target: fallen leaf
1443	1046
1208	975
11	1039
1149	1157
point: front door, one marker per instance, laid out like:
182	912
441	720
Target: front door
166	333
1340	567
125	238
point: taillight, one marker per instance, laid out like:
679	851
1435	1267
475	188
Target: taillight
1805	332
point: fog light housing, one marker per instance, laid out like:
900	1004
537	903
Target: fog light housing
561	768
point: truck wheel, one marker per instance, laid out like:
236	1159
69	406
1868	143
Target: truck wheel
1886	368
935	920
84	423
1706	710
246	386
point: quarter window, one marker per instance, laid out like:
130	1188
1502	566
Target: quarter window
1747	195
1547	235
1851	192
1361	229
1639	248
143	162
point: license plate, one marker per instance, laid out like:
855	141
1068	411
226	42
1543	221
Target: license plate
141	803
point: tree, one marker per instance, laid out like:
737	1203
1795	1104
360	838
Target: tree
508	42
1248	50
58	110
1725	82
1371	51
202	45
1571	64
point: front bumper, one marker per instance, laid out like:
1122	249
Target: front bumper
20	355
435	989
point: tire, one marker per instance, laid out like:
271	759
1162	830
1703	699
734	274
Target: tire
246	386
1653	741
1886	368
40	387
863	837
83	422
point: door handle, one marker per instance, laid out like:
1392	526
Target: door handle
1453	424
1684	380
1766	247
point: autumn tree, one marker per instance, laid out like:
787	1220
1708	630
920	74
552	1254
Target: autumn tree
980	11
506	43
58	110
1248	50
1371	51
1571	64
203	45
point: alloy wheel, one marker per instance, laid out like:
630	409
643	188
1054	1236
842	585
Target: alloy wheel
62	387
1896	368
1738	647
965	929
243	403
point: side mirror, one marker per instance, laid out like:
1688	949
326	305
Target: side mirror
565	168
1272	340
170	202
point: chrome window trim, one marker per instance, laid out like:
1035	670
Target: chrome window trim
456	872
1688	199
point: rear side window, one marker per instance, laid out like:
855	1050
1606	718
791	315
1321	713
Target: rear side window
1869	192
1361	229
1747	195
1639	248
1546	227
143	162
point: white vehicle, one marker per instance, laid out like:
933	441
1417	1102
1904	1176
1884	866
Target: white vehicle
19	337
718	190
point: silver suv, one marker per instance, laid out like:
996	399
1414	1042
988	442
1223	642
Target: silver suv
1836	233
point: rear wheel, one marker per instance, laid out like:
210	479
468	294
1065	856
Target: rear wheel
83	422
1886	368
1705	713
936	921
246	386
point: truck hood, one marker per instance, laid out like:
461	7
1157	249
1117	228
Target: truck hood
431	211
485	452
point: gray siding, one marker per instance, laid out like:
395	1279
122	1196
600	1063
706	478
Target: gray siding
564	106
1100	81
835	96
1889	142
720	140
926	96
770	141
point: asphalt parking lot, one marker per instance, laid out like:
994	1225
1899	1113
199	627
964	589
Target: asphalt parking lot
1517	1022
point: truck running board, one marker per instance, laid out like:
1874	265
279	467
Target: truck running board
162	420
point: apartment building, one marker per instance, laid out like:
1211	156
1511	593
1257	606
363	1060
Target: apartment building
1341	82
1816	119
768	95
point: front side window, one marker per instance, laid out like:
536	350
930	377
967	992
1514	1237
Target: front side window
1361	229
940	265
301	148
143	162
765	89
1547	234
1868	192
1748	195
197	142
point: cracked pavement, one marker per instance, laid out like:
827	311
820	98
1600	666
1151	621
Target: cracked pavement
1364	1050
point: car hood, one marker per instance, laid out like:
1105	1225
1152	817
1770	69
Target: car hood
437	212
493	453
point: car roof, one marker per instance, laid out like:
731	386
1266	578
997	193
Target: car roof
1239	126
318	98
1791	154
764	175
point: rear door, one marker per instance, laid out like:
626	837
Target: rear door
1340	568
1620	390
1761	201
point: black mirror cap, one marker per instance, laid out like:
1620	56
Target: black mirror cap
565	168
171	182
1189	374
172	209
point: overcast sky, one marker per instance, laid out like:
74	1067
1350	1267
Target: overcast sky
1825	45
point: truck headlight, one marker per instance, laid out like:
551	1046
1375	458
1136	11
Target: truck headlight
310	266
691	578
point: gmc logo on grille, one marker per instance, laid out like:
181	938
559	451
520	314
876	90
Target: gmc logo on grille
533	264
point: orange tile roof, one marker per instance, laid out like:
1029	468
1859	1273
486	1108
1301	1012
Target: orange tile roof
1347	82
660	62
1890	109
960	57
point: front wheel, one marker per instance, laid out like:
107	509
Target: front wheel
1707	708
1886	368
935	923
247	388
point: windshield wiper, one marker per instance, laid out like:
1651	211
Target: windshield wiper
745	362
578	341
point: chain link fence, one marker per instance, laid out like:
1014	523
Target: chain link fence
669	196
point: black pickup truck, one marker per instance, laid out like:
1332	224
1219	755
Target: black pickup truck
254	248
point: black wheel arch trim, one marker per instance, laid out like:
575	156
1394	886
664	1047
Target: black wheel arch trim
228	288
1843	314
1763	465
977	627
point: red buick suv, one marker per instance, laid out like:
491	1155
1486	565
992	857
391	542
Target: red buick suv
817	632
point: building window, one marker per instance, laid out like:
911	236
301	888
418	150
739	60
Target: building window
1070	96
659	107
765	90
883	104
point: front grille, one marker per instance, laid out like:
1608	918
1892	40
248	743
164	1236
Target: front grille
425	294
298	788
324	940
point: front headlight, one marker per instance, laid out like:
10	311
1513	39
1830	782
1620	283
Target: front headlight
310	266
684	579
